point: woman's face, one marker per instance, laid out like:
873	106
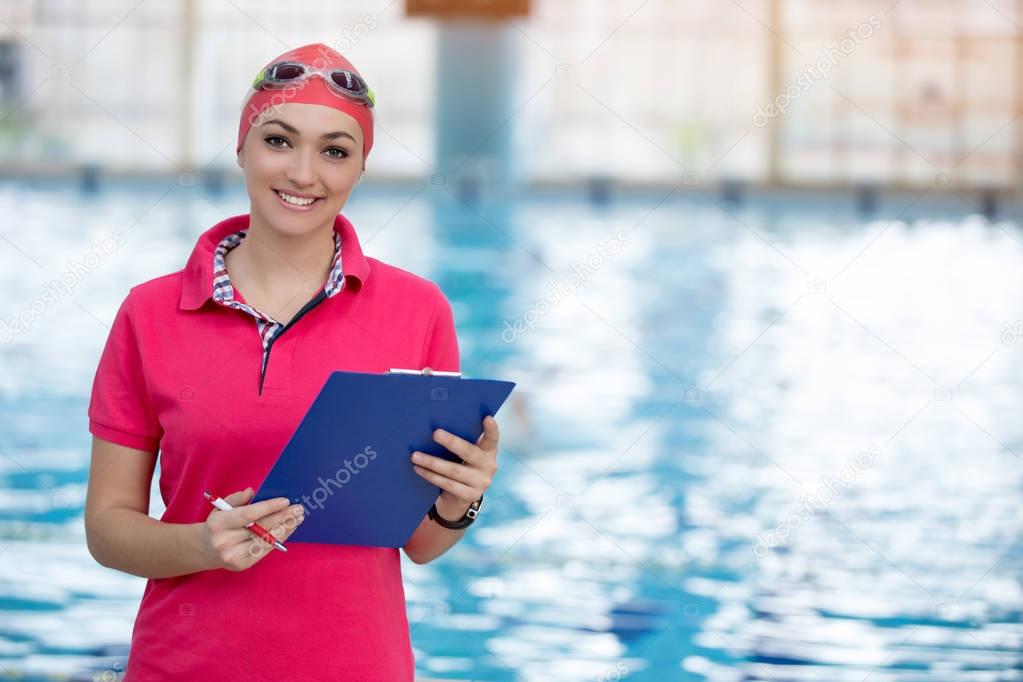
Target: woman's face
298	152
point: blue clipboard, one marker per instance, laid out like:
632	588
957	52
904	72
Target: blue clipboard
349	462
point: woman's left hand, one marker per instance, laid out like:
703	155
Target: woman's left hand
460	484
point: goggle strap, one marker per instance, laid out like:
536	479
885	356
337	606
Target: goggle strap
258	79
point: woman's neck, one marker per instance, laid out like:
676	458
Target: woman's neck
272	262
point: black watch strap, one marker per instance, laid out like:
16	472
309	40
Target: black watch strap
465	521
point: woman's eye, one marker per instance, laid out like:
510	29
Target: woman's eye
280	142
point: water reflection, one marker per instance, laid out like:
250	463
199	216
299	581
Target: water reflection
770	444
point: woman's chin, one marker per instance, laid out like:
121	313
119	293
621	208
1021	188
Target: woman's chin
292	223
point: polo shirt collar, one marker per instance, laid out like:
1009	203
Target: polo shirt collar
197	276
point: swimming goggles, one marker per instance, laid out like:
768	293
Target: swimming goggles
341	82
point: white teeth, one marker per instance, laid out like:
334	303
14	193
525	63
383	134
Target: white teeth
295	200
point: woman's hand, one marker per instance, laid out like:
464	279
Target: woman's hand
460	484
226	542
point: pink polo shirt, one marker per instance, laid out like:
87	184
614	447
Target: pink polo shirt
180	374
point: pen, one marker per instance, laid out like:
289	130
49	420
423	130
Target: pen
220	504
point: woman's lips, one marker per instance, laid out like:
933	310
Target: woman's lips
294	207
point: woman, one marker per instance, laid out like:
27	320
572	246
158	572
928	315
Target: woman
217	381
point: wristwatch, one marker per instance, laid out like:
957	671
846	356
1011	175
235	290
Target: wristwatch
464	522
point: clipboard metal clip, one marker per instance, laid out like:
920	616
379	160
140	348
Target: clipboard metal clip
426	372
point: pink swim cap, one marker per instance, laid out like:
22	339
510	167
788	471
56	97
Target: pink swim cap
312	91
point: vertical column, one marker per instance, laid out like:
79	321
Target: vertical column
775	65
186	110
476	84
961	98
1017	65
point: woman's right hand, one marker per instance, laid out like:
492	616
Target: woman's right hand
228	544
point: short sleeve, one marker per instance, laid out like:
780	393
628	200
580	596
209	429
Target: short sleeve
441	351
120	409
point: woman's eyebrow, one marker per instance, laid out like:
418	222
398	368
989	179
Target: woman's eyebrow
335	135
294	131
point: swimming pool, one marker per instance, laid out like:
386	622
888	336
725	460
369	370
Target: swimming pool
761	441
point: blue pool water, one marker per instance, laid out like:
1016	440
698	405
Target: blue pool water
770	441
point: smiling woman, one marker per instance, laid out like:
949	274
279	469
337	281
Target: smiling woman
300	168
214	382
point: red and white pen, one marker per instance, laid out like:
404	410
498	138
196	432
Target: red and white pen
220	504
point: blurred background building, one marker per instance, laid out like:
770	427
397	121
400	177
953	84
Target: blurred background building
642	93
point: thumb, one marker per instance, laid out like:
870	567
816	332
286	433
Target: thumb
239	498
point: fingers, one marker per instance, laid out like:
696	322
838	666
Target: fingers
491	434
254	512
280	524
459	446
283	523
244	514
231	538
239	498
471	452
239	549
457	472
456	488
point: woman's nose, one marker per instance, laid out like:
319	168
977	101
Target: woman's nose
302	171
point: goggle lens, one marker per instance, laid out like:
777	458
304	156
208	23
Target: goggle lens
348	81
285	72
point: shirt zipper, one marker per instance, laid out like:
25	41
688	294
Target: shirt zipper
321	296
